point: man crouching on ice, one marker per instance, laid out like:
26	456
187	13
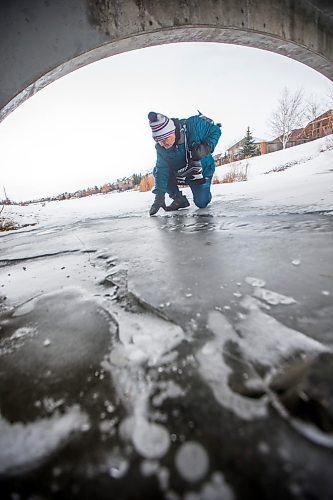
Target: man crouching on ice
184	150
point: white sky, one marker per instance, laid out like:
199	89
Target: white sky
91	127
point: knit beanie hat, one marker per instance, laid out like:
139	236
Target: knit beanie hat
161	126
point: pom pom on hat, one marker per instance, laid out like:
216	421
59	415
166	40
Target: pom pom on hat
161	126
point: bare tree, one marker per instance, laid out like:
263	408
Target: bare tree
314	108
288	115
330	97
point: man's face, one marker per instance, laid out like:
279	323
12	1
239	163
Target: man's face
168	142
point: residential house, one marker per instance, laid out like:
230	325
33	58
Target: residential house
219	159
294	139
234	152
319	127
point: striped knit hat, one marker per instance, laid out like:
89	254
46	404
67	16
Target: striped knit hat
161	126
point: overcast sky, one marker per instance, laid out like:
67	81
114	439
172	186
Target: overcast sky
90	127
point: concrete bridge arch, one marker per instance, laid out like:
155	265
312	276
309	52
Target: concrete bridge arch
46	39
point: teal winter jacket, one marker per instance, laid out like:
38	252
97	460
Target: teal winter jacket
198	129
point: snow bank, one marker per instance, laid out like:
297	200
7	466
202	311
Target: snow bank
297	178
300	155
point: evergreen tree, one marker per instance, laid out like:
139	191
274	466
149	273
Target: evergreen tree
136	179
249	148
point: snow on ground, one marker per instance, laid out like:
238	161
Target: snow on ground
305	181
304	185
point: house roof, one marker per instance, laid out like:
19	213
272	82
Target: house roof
321	117
259	140
293	137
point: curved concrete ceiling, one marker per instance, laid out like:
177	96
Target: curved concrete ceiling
326	6
46	39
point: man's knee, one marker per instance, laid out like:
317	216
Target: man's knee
201	203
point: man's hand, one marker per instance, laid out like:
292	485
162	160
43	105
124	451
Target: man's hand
159	202
199	151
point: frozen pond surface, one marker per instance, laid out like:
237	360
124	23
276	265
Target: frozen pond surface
143	357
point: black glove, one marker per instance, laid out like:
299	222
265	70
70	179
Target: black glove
159	202
199	151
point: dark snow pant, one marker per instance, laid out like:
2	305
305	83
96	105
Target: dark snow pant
201	192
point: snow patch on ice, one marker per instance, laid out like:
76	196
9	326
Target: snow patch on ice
169	389
262	342
313	433
24	331
147	337
25	446
192	461
117	465
149	467
255	282
49	404
150	440
145	341
216	372
214	489
16	340
267	342
273	298
26	308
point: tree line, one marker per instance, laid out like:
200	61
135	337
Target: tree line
121	184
